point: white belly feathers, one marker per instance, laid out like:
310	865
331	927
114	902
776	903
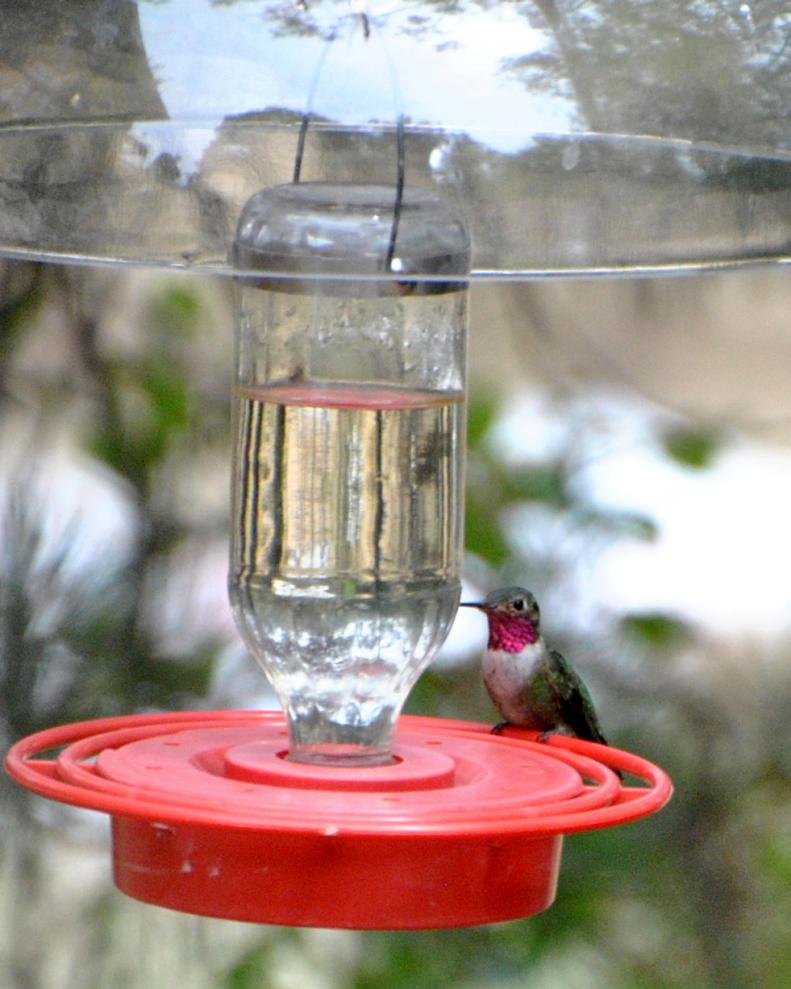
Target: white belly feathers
506	675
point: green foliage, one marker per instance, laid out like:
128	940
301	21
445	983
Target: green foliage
481	416
21	292
249	971
147	402
175	310
158	408
421	959
655	629
545	482
483	534
692	447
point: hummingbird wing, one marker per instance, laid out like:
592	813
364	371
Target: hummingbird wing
574	701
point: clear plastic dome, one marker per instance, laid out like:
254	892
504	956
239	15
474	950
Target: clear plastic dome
609	136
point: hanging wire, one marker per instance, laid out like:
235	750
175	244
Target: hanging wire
399	196
400	153
303	133
368	26
303	127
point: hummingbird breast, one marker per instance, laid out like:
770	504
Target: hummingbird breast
511	678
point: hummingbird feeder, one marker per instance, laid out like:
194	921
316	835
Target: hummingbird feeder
355	172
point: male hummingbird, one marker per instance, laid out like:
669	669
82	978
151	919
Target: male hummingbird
532	686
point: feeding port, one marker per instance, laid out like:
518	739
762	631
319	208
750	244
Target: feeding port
462	827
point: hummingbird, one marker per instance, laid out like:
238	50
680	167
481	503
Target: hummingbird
531	685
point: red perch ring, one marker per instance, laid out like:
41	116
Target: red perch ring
208	817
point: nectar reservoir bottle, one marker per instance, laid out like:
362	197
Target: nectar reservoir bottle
349	438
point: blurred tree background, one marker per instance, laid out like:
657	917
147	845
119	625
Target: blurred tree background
114	433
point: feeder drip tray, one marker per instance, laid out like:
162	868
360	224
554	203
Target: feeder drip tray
210	817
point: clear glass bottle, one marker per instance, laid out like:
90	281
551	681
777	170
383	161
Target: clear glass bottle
349	425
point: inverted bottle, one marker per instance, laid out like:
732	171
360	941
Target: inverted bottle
349	439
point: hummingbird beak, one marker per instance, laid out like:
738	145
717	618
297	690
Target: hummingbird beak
472	604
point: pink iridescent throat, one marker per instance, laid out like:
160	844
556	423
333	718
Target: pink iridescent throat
510	633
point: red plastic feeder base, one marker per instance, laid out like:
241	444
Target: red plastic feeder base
208	817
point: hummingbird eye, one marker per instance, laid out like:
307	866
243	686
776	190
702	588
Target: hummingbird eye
519	604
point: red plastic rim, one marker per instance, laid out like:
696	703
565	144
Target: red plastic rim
208	817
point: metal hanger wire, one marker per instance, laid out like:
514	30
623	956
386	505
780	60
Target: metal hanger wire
369	28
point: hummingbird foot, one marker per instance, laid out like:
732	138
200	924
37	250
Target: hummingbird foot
499	727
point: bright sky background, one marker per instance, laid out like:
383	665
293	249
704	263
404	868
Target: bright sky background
242	68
